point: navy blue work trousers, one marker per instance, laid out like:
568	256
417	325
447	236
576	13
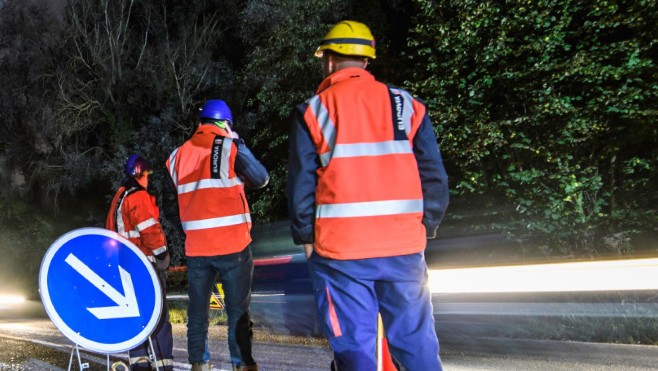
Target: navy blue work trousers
161	337
350	293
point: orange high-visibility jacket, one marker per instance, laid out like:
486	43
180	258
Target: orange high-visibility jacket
369	201
135	216
213	208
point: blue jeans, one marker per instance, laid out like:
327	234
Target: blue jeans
350	293
235	272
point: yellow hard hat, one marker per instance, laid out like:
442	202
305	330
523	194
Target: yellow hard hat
348	38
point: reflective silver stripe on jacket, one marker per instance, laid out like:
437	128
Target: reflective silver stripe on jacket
138	360
135	233
326	126
118	217
223	221
208	183
371	208
372	149
130	234
144	360
227	145
163	363
172	167
159	250
328	129
146	223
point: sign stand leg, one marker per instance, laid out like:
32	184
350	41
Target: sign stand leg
154	358
76	350
71	358
108	362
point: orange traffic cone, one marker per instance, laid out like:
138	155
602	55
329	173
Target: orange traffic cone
384	360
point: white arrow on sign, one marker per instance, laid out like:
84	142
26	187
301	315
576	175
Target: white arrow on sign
126	305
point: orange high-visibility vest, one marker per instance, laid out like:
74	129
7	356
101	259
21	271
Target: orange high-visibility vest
369	201
213	208
134	215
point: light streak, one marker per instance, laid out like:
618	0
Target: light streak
11	299
612	275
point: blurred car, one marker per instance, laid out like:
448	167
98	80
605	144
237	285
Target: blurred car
279	265
282	292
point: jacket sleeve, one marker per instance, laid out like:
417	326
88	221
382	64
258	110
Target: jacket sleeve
170	206
144	214
248	168
110	220
433	177
303	163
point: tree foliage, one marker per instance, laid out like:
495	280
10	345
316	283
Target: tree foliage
548	106
278	74
548	103
28	40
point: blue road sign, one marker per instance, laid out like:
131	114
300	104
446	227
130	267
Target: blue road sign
99	290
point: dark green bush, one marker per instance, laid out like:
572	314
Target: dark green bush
551	106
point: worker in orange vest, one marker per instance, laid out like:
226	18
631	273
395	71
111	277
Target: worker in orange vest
134	215
366	188
208	174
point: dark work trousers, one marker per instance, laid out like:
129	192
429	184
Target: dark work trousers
350	293
236	272
162	339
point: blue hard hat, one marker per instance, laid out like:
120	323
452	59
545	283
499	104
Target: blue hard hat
216	109
136	165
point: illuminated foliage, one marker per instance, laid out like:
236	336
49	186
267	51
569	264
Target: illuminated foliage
550	104
547	106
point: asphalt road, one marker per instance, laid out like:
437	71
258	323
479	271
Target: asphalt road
29	341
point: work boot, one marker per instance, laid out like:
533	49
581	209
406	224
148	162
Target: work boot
253	367
139	364
119	366
201	367
166	364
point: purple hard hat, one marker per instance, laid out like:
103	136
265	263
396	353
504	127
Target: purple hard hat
136	165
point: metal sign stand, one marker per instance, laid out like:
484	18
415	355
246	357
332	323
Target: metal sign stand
83	366
76	350
152	356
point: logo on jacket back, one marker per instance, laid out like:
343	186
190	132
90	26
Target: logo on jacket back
398	111
216	157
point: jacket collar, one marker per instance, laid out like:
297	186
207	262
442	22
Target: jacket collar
212	128
128	183
344	74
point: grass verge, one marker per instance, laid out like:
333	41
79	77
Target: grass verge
178	319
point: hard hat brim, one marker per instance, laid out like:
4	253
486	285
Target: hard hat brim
347	50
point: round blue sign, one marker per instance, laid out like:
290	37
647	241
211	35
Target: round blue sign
99	290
